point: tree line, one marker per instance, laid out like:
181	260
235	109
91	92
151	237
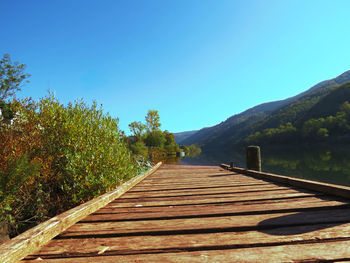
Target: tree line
323	129
149	141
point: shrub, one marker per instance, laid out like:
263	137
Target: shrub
155	139
139	148
58	156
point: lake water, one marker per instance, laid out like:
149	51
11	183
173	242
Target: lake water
330	164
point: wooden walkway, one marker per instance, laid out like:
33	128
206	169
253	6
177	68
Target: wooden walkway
208	214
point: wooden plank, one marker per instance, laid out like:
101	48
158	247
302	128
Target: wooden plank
165	187
263	204
198	184
327	251
204	191
193	186
198	198
140	213
247	194
138	244
208	200
331	189
225	223
209	175
190	195
17	248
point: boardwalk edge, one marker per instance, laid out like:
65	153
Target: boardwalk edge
33	239
332	189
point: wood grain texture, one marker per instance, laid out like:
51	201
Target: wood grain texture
32	240
208	214
330	189
145	245
316	252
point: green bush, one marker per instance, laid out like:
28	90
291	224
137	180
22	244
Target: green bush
59	156
155	139
139	148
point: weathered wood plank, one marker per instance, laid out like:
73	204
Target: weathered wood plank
239	205
208	200
225	223
140	213
134	244
246	194
331	251
190	195
205	185
331	189
17	248
204	191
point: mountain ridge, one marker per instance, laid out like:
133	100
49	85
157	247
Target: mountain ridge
265	115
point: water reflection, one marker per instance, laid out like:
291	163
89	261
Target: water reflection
329	164
167	159
326	164
216	158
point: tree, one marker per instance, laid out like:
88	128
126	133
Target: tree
170	143
138	129
169	138
152	120
345	107
155	139
11	77
322	133
6	112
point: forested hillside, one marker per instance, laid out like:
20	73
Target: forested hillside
328	120
279	119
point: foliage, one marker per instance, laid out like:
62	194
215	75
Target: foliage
54	157
139	148
321	127
149	141
155	139
327	120
152	120
191	150
158	145
11	77
345	107
312	130
170	145
322	133
138	129
281	134
6	113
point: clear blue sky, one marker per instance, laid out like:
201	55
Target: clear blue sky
196	62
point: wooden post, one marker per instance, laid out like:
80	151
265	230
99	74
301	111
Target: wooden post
253	158
231	165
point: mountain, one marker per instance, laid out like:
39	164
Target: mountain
319	118
303	102
181	136
234	130
328	105
206	135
